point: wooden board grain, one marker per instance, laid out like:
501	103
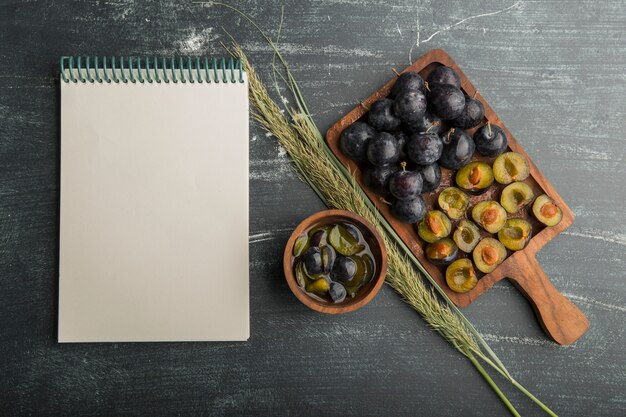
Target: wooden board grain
559	317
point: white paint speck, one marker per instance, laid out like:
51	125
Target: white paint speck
470	18
196	42
417	40
588	300
606	236
517	340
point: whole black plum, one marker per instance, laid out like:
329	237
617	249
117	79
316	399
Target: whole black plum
490	140
344	268
428	122
431	177
443	75
410	106
407	82
383	149
402	140
446	101
312	260
409	211
377	178
458	149
381	116
354	139
471	116
337	292
405	185
424	148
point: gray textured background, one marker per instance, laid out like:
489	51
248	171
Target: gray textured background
555	72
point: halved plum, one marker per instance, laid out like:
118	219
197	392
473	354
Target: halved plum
474	177
509	167
460	276
320	286
546	211
490	215
466	235
488	254
434	226
515	234
442	252
453	202
515	196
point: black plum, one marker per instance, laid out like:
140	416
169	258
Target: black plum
431	177
312	260
354	140
352	229
409	211
410	107
344	268
402	139
407	82
337	292
490	140
424	148
381	116
377	178
458	149
405	185
318	237
428	122
328	258
446	101
383	149
443	75
471	116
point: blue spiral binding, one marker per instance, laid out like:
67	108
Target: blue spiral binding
123	70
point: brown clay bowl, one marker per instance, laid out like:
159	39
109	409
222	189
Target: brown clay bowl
377	247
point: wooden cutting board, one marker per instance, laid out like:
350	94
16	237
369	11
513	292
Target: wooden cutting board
558	316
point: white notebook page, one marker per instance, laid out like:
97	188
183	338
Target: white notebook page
154	212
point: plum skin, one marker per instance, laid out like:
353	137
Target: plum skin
471	116
381	116
410	107
383	149
443	75
312	260
409	211
354	139
407	81
431	177
424	148
405	185
428	122
458	149
377	178
446	101
490	140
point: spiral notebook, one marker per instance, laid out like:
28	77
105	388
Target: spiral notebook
154	200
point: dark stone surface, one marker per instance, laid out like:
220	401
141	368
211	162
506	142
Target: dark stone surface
554	71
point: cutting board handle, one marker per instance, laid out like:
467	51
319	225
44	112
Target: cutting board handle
558	316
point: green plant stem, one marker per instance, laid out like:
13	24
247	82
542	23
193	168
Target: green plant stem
493	385
516	384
